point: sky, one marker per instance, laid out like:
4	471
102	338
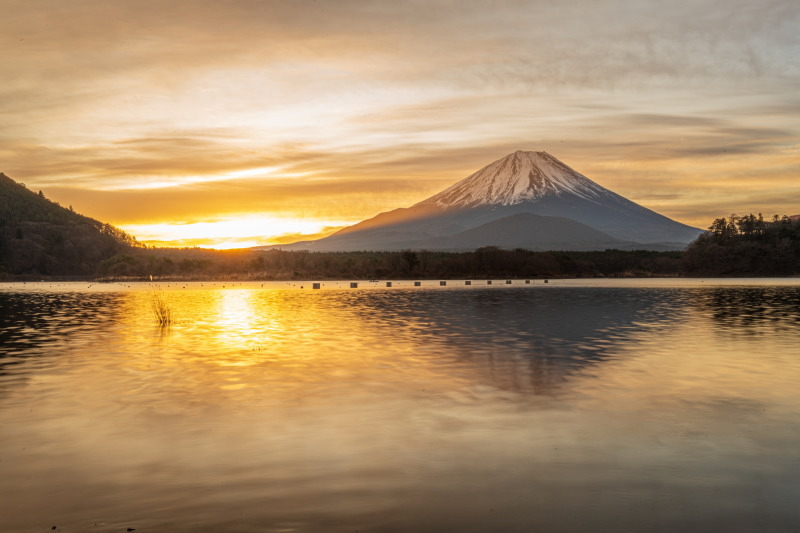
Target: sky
232	123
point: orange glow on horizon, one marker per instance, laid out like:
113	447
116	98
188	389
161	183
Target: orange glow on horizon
233	232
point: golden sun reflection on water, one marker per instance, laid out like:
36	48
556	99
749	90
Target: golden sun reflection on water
257	344
237	324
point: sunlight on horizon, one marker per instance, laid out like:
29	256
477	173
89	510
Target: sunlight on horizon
234	232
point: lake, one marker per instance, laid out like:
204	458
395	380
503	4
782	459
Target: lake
576	405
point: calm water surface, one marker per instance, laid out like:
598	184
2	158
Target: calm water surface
656	405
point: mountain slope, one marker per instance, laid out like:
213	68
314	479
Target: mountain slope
39	237
531	232
535	183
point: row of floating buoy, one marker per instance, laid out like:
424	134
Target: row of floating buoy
443	283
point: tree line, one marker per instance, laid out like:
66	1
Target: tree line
747	245
486	262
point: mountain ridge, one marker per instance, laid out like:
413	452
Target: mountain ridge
521	182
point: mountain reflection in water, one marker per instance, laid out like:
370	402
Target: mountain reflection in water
528	340
609	406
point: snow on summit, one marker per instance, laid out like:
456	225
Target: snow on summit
516	178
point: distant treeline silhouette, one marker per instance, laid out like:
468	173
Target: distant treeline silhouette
747	246
487	262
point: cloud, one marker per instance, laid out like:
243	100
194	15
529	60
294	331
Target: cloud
702	211
504	44
671	121
362	107
351	199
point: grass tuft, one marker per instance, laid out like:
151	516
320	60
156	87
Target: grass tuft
161	309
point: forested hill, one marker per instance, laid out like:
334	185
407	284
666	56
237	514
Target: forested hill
747	246
38	237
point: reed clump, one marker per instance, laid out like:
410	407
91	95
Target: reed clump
161	309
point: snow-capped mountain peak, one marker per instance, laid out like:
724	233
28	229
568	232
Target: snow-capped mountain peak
528	200
518	177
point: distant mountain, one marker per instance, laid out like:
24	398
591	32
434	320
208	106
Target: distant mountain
39	237
533	183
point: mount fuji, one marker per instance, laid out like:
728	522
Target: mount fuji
525	200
